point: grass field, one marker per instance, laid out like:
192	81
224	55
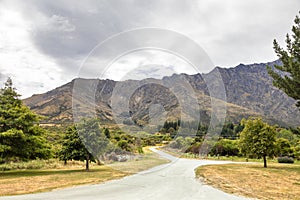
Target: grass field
278	181
56	175
31	181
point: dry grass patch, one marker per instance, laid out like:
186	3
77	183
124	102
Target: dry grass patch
278	181
30	181
148	161
39	180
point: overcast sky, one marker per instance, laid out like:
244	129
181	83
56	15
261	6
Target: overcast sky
43	44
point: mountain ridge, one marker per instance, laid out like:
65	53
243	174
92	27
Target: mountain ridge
249	92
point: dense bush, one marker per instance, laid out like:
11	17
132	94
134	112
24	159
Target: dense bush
181	142
194	148
297	151
284	148
225	147
285	159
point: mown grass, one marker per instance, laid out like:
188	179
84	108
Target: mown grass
22	178
278	181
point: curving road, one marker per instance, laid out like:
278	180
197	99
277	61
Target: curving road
172	181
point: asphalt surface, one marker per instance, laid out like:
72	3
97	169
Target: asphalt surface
172	181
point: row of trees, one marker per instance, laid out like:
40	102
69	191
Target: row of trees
257	139
21	137
252	137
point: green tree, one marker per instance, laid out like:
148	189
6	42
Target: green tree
258	139
95	141
20	135
74	149
289	135
297	150
84	141
225	147
284	147
287	76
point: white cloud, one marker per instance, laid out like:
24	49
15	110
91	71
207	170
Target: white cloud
31	71
138	65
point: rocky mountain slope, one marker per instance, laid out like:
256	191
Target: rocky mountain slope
249	92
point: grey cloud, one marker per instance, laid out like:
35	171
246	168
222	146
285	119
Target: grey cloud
69	30
231	32
100	20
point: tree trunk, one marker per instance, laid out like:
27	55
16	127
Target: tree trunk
87	167
265	161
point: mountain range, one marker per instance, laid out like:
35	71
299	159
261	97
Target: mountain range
248	89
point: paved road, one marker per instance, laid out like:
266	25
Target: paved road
172	181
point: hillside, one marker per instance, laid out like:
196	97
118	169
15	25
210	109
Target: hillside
248	88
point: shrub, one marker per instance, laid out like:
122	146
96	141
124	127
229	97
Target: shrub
113	157
225	147
285	159
140	150
194	148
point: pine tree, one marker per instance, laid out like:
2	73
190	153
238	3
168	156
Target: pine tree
74	149
20	135
84	141
287	76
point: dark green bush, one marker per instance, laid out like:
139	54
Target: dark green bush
285	159
225	147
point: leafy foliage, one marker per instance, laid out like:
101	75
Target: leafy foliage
20	135
225	147
284	147
290	81
94	140
84	141
258	139
181	142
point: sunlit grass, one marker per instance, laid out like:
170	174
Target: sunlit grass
23	179
30	181
278	181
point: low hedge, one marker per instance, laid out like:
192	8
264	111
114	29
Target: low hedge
285	159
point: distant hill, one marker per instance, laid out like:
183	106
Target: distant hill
248	88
